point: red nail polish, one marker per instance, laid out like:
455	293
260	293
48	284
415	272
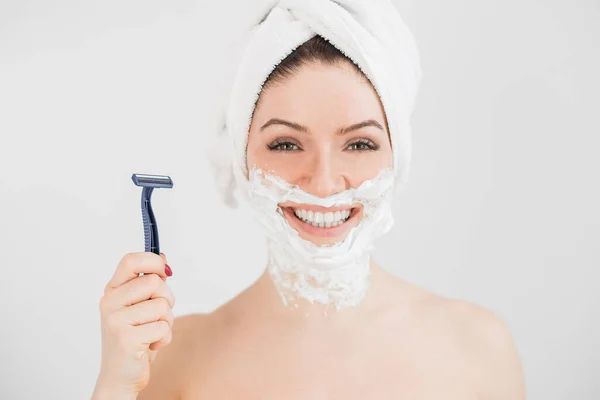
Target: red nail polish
168	270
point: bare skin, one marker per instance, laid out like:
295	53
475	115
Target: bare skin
400	342
404	343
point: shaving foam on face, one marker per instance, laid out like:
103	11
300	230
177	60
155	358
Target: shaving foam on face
336	274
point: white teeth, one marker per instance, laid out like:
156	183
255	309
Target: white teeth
318	217
323	220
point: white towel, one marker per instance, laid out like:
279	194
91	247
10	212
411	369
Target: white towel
370	32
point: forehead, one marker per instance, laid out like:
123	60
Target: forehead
321	93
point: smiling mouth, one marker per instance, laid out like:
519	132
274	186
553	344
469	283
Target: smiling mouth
318	219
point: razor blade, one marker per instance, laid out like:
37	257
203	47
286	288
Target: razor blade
149	183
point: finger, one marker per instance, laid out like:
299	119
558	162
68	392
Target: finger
158	331
138	338
145	312
164	257
137	290
132	264
155	346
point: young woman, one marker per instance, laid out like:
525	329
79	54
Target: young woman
318	124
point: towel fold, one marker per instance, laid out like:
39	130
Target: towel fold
370	32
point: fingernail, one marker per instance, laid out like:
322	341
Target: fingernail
168	270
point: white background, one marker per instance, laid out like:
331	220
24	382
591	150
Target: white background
501	209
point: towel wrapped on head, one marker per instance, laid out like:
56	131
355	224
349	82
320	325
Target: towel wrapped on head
371	33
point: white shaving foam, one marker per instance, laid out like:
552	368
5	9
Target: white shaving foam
335	274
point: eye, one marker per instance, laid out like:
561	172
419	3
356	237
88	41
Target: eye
283	144
363	145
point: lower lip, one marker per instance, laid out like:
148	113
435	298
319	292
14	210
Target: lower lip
332	231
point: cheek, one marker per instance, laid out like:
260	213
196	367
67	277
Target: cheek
385	158
366	166
253	150
258	154
251	156
275	162
389	158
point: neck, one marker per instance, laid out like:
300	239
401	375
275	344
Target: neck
265	298
333	276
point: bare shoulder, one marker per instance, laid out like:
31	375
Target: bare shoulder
168	371
485	338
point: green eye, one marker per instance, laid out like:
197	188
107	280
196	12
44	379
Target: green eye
363	145
283	145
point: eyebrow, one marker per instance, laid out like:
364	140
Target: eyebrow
341	131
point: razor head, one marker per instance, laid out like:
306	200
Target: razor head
153	181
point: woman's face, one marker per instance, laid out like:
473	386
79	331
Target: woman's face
323	129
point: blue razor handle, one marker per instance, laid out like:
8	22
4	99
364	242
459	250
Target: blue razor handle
149	182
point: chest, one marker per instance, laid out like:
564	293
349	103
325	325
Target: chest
317	371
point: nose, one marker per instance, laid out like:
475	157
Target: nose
323	176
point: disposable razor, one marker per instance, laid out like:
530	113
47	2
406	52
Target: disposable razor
149	182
